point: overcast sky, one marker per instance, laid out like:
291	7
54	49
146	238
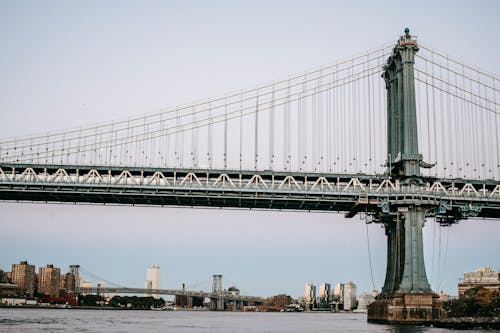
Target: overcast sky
69	63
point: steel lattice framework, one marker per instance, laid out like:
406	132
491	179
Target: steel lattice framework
447	199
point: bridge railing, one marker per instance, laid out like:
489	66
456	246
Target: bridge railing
246	181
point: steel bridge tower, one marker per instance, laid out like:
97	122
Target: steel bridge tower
217	303
75	272
406	295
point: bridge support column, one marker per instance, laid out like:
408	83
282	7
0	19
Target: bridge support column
406	296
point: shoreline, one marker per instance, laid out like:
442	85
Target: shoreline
465	323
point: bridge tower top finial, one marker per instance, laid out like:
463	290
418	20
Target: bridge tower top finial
407	39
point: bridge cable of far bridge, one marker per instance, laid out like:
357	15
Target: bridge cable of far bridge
98	278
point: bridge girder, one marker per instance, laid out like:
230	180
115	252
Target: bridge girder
378	196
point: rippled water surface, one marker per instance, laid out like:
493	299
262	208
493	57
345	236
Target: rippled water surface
75	320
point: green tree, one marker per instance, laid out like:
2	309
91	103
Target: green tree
476	302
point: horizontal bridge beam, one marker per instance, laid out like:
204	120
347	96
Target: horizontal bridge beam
233	188
190	293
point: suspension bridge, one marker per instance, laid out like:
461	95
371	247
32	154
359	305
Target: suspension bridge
400	133
220	298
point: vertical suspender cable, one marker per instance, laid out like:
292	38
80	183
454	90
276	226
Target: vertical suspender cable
256	128
355	120
464	126
299	131
305	132
467	124
329	126
78	157
286	132
449	116
166	148
320	122
209	148
177	123
342	132
62	148
314	123
225	133
457	137
271	130
369	108
434	111
182	133
482	130
428	136
442	122
475	134
241	129
153	149
496	118
112	137
194	139
382	110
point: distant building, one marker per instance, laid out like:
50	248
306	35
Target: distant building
349	296
85	284
4	278
18	301
49	280
484	277
68	283
364	300
324	293
444	297
281	300
338	290
153	279
233	290
100	290
310	293
23	275
8	289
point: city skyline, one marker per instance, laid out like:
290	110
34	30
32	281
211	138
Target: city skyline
68	65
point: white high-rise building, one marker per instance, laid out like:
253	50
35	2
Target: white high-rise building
349	296
153	279
85	284
364	300
310	293
338	291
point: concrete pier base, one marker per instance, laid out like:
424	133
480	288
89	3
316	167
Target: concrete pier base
406	308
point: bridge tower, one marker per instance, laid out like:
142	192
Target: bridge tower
75	272
218	302
406	295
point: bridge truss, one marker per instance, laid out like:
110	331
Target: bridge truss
449	200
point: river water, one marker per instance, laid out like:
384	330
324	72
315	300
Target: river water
77	320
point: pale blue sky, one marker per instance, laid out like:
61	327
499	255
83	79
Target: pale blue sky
68	63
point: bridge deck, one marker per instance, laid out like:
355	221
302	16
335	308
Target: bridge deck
348	193
174	292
